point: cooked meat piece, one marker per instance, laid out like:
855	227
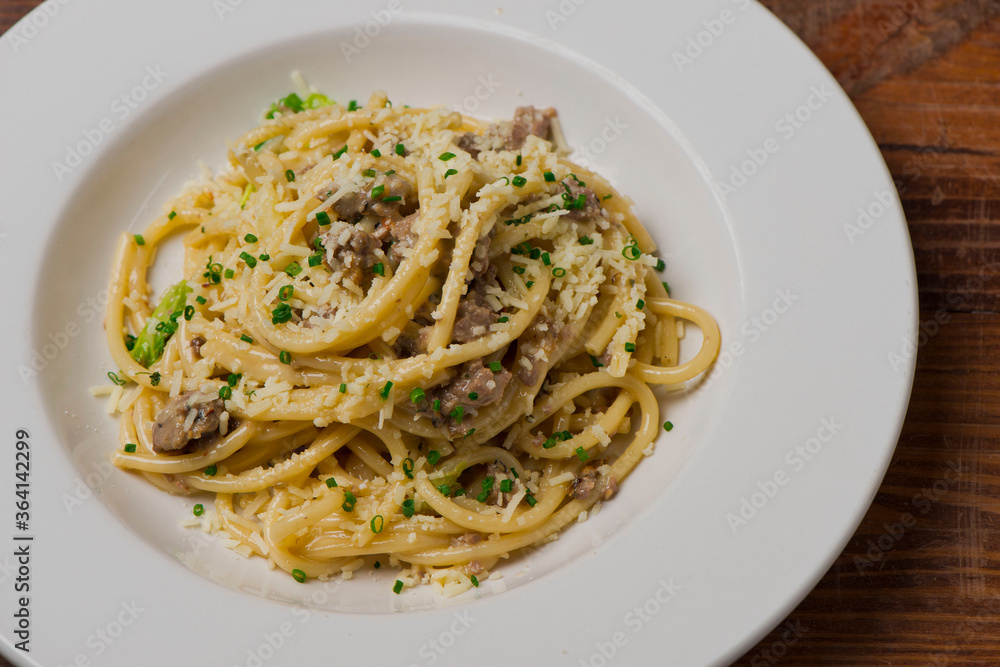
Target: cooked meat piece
468	539
399	232
474	387
350	249
475	568
480	260
541	335
529	120
353	205
589	207
509	135
196	344
584	484
472	322
497	471
187	422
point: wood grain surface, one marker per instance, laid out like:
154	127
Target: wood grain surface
919	583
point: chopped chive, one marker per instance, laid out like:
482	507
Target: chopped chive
519	270
458	492
407	508
518	181
384	393
474	580
293	269
640	304
444	157
468	433
349	501
586	240
433	457
154	378
343	387
233	379
188	312
130	448
172	215
545	259
668	426
299	576
392	198
340	152
315	259
416	395
289	175
376	153
229	274
369	173
408	469
139	240
390	172
377	191
559	272
549	443
534	253
549	177
129	342
450	172
246	339
400	150
529	284
506	486
285	293
444	490
352	105
200	299
531	500
377	523
495	366
660	265
250	260
513	471
285	357
502	319
331	483
397	587
377	565
211	470
631	252
283	313
323	218
630	347
666	286
225	393
437	405
581	453
117	380
263	257
517	161
594	360
198	509
458	413
250	238
606	197
473	396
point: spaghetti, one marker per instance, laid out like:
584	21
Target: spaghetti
401	333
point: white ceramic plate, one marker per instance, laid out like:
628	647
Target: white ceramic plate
753	171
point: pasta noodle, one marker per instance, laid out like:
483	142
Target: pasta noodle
401	334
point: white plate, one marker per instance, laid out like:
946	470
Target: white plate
753	171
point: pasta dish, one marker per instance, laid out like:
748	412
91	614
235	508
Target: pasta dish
403	337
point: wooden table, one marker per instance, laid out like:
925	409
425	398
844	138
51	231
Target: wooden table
919	583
